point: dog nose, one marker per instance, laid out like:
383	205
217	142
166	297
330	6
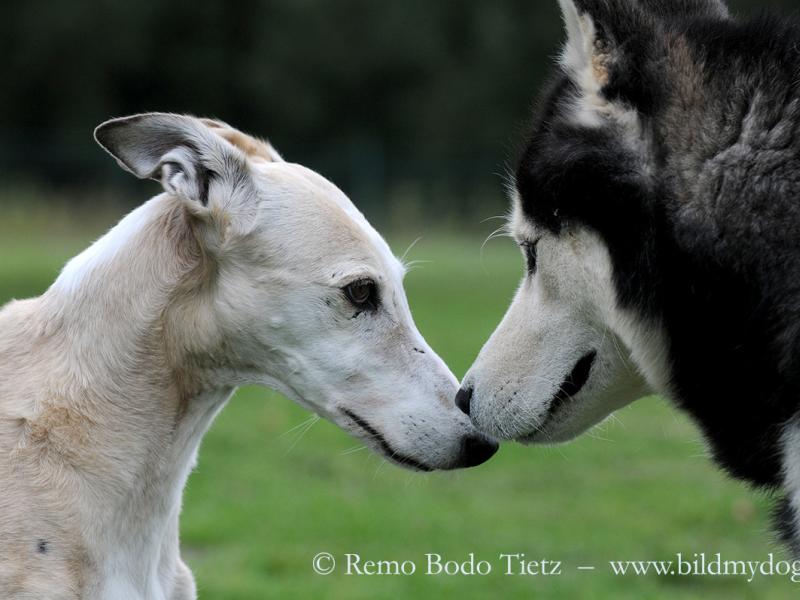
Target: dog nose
464	399
477	449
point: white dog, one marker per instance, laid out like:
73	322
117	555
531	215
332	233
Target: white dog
246	270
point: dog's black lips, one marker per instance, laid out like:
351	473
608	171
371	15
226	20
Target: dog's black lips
387	449
573	384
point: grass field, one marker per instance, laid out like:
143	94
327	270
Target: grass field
265	499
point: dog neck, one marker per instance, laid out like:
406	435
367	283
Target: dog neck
124	404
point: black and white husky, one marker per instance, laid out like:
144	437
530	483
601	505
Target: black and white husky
658	206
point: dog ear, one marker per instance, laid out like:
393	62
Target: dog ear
612	54
179	151
597	31
601	33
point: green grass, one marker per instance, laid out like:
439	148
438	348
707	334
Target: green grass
262	503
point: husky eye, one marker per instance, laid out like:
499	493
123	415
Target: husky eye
362	294
529	249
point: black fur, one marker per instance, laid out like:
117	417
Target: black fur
785	520
571	385
704	234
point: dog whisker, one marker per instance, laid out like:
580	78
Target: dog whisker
312	419
309	424
412	265
410	247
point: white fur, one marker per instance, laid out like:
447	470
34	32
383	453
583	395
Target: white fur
103	250
563	312
110	379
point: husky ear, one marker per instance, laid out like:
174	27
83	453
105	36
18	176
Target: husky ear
611	48
596	30
179	151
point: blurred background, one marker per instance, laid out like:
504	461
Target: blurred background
416	109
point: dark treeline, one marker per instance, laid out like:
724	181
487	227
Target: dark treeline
413	103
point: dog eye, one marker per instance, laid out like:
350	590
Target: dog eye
529	248
362	293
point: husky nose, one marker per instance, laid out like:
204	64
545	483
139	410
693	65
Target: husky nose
477	449
463	399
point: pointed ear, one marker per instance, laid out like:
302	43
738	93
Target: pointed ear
580	37
612	56
179	151
596	30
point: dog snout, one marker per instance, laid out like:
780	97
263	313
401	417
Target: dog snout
464	399
476	449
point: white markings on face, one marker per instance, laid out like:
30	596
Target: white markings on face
565	356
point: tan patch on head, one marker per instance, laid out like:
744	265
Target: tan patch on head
254	148
600	67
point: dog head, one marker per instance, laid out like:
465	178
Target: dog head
300	294
581	337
